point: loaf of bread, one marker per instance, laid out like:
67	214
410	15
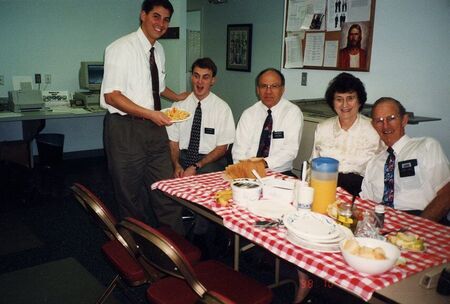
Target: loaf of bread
244	168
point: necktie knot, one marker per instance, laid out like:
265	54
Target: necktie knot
269	112
152	50
390	150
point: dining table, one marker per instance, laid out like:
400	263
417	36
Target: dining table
198	193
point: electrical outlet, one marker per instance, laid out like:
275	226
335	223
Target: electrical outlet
37	78
48	78
304	78
2	80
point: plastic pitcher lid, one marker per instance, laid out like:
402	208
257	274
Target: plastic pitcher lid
325	164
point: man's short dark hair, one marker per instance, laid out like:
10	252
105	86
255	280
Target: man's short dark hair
205	63
401	108
270	70
148	5
346	83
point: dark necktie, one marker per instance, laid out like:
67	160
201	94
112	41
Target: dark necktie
155	80
389	167
194	141
264	141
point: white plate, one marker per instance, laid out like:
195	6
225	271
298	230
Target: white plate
270	208
311	225
320	247
176	121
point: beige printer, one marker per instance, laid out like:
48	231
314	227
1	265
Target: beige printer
25	100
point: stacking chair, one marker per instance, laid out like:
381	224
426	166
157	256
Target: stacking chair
118	251
205	282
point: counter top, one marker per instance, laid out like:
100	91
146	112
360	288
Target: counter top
318	109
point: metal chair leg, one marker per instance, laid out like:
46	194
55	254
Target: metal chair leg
108	290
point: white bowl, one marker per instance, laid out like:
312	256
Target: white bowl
245	190
369	266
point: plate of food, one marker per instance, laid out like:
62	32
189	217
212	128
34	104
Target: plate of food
407	241
176	114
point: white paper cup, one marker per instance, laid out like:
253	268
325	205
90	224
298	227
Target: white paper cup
305	197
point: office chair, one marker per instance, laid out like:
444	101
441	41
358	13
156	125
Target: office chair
205	282
118	251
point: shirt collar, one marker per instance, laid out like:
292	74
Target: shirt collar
398	146
338	128
146	45
274	108
204	101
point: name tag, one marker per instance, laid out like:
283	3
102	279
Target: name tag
277	134
406	167
209	131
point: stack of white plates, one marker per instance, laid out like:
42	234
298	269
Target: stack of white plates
315	231
270	208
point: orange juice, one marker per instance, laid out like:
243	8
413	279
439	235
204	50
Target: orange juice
324	194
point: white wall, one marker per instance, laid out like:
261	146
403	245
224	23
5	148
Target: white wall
410	62
54	36
410	57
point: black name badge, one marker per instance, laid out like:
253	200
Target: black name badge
209	131
278	134
406	167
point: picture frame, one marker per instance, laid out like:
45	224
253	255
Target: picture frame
239	47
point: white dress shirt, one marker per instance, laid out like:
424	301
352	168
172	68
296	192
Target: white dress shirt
127	69
353	148
410	192
217	127
287	121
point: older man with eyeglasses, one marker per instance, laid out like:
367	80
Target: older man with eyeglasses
413	174
271	128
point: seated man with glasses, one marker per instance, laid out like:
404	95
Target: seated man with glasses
414	174
271	128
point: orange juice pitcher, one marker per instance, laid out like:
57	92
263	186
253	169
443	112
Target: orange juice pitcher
324	173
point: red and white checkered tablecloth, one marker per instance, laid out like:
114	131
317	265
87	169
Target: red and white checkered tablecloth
331	267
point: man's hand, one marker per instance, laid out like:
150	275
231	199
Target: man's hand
178	171
160	118
190	171
182	96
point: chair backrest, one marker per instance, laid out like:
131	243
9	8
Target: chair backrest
160	252
99	213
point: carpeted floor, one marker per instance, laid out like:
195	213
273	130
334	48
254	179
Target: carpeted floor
43	226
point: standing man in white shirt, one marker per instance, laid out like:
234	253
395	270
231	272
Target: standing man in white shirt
272	127
135	137
217	127
421	174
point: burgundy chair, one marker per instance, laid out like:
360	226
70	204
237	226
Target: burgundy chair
205	282
118	251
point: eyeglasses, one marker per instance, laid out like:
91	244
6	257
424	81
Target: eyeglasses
270	86
388	119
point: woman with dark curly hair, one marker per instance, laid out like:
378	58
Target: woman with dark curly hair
348	137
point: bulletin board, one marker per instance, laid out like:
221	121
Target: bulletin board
328	34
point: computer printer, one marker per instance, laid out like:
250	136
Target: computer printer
90	99
25	100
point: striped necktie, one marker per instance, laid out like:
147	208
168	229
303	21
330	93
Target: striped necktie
389	168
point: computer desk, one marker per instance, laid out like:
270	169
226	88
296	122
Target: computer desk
33	122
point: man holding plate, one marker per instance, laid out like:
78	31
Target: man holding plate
134	135
198	145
